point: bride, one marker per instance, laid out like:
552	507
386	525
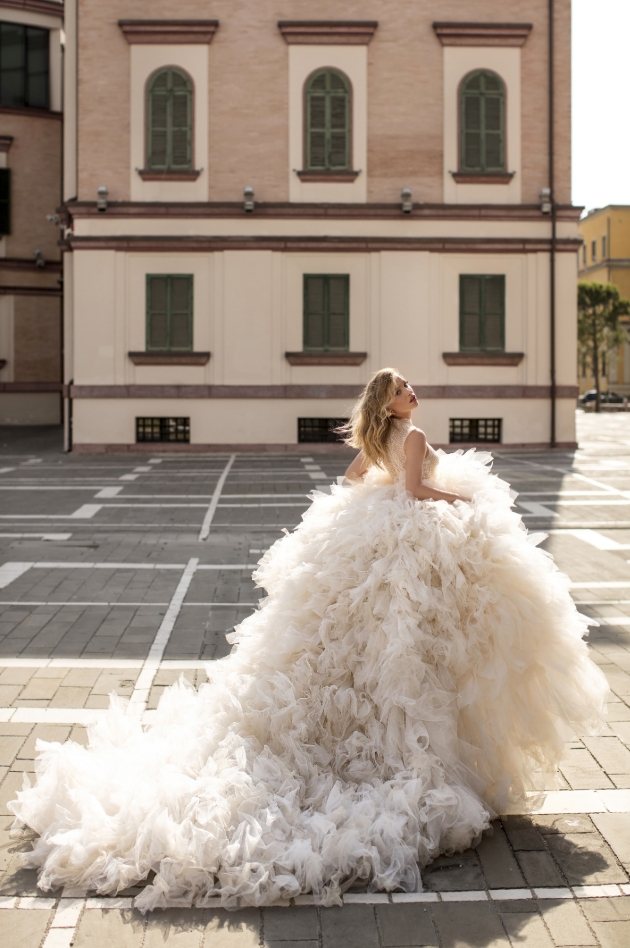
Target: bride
416	669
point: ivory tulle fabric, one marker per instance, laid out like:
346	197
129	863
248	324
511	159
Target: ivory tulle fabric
415	669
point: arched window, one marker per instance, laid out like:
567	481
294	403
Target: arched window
482	109
328	122
169	117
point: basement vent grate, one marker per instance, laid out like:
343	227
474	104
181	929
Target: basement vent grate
322	430
163	429
469	430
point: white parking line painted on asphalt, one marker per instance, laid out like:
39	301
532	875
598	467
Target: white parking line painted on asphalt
72	602
11	571
140	695
128	477
598	540
207	520
108	492
84	512
536	509
35	536
613	584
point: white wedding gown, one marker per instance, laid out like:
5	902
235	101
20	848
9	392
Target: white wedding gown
415	669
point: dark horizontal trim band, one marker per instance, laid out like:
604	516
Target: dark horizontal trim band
31	387
325	358
48	7
312	211
28	263
620	263
168	31
18	290
147	174
328	32
483	358
186	244
313	391
169	358
159	447
32	112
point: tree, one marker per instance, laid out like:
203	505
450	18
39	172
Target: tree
599	330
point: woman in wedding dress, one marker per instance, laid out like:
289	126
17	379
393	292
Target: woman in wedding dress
416	669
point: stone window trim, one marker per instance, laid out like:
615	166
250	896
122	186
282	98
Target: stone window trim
175	174
327	32
47	7
325	358
483	358
482	34
491	177
168	32
169	358
482	177
340	177
149	175
5	143
31	110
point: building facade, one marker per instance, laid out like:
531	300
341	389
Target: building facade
31	324
605	258
261	212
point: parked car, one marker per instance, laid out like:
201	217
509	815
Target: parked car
610	398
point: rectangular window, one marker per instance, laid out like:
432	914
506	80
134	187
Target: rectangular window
319	429
603	246
583	255
5	200
24	66
169	300
593	250
326	313
470	430
481	313
163	429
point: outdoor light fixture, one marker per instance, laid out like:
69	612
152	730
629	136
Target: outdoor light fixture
39	259
407	204
248	195
545	200
101	201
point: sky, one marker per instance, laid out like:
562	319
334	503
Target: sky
601	102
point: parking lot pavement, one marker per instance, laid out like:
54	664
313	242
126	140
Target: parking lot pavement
104	558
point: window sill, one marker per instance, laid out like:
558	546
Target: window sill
483	358
147	175
467	177
33	110
169	358
337	177
325	358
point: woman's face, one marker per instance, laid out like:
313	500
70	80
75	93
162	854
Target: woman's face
404	400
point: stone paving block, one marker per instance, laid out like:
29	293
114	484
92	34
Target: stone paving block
566	923
539	869
610	753
353	926
39	689
179	928
615	828
528	931
497	860
81	677
44	732
22	928
70	697
9	748
111	927
457	873
50	673
405	924
8	788
15	676
606	910
16	880
612	934
97	701
522	833
585	859
583	772
573	823
469	925
294	923
232	929
8	694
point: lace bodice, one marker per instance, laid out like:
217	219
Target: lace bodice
395	458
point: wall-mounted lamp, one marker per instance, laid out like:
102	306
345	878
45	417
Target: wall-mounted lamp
101	200
407	203
545	200
248	195
39	258
53	219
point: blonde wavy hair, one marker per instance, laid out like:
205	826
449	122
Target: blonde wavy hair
370	420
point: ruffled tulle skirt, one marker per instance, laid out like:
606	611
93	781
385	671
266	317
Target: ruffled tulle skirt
415	669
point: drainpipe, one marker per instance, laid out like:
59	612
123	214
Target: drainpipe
552	255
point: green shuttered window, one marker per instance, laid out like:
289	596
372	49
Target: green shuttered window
328	122
481	313
24	66
326	312
169	313
169	114
5	200
482	110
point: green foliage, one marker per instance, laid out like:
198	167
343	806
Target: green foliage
600	308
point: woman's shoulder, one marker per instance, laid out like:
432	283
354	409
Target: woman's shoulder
416	439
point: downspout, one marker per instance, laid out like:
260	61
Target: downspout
552	255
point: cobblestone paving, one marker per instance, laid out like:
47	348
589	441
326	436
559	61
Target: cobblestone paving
101	561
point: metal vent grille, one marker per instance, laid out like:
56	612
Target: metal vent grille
467	430
319	429
163	429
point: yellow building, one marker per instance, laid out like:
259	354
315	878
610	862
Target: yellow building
605	258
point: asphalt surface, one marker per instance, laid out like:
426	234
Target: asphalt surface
106	558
